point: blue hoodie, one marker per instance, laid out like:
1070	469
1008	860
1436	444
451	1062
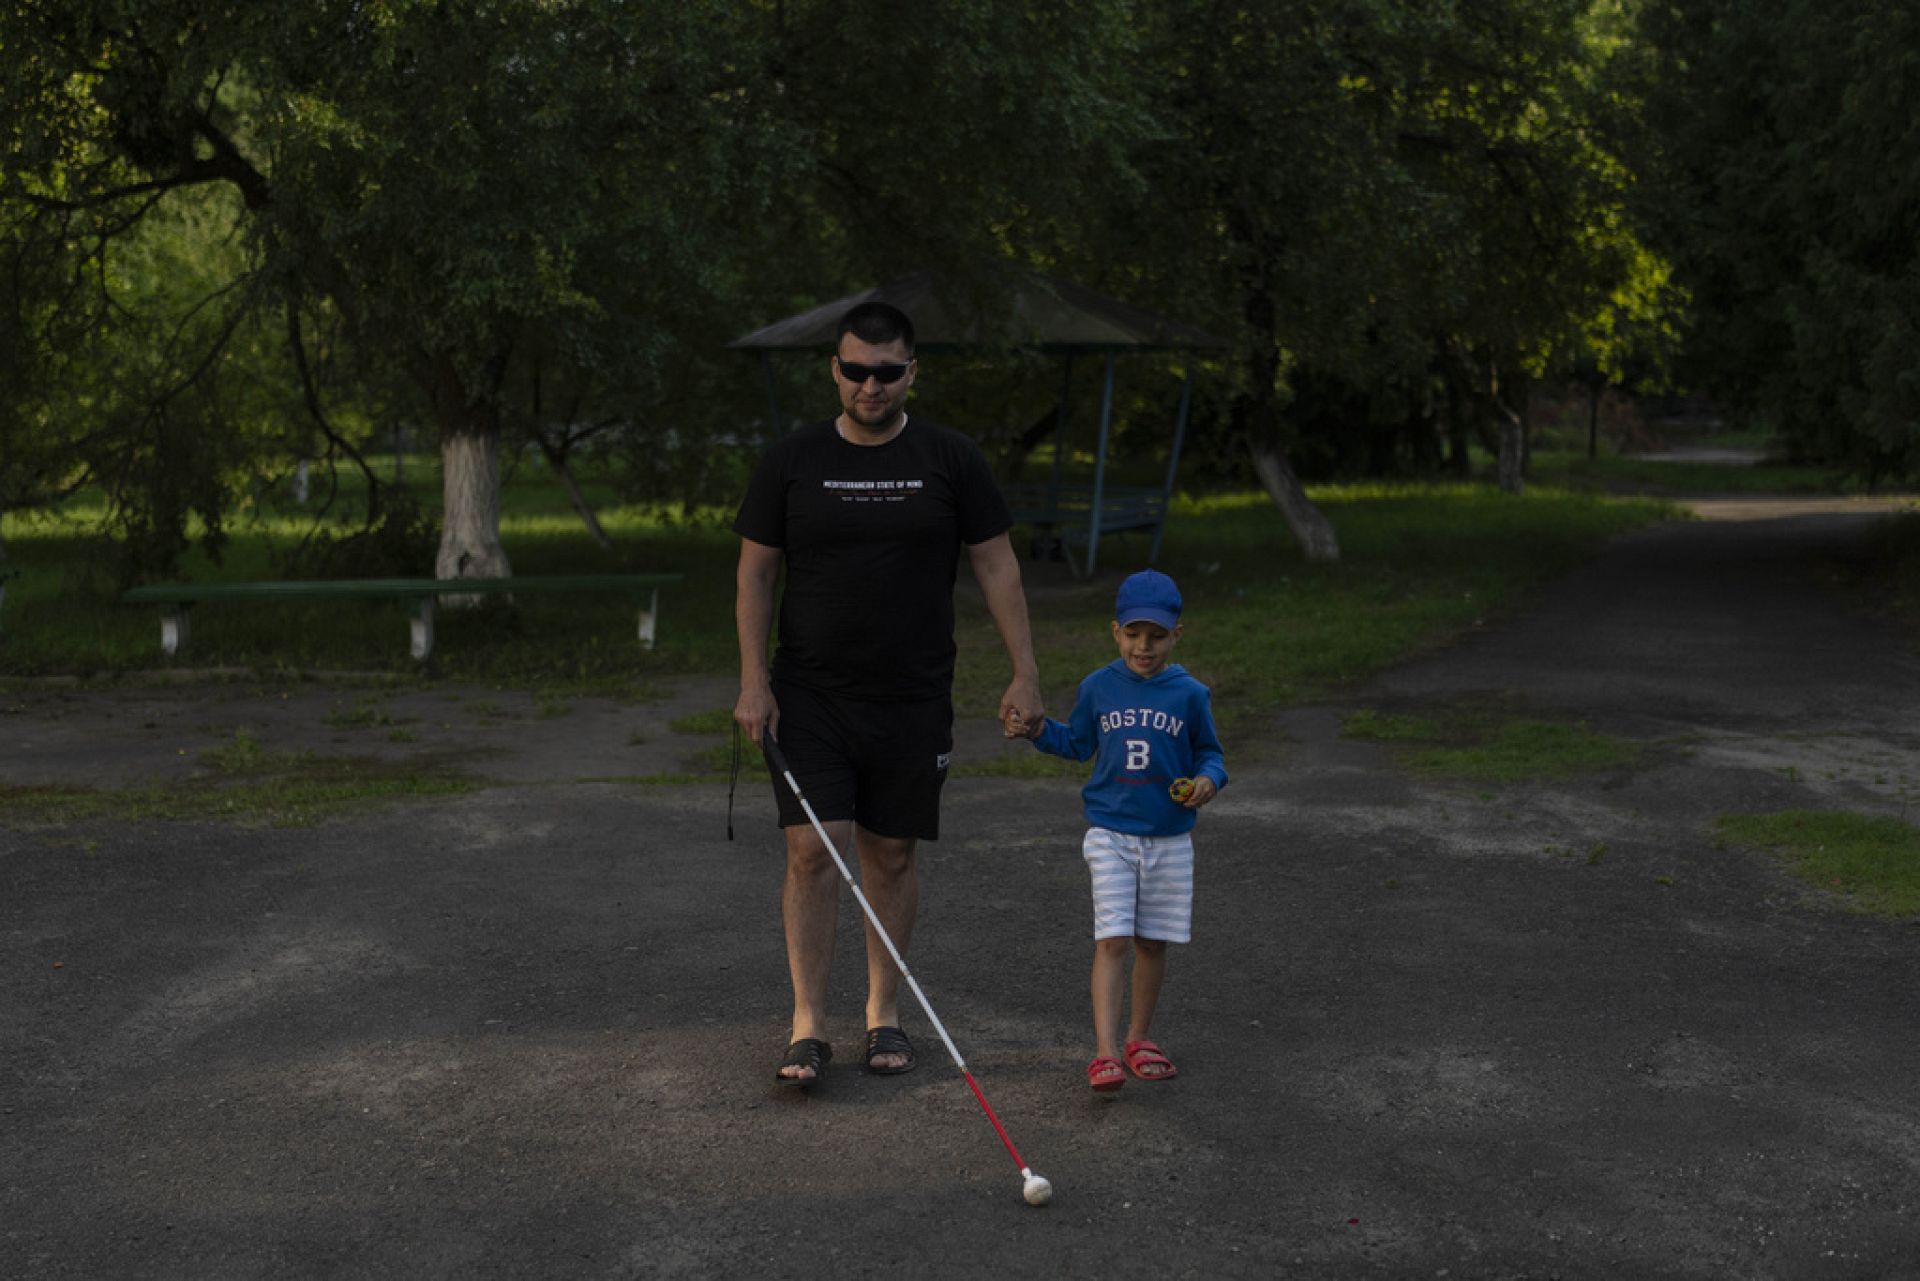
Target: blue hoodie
1143	732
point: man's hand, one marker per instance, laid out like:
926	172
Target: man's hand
998	571
1021	704
757	713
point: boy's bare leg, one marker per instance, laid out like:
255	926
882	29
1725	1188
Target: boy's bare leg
1149	971
892	885
1109	987
809	901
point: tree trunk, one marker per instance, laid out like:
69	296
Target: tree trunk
1015	459
1459	447
1257	414
470	483
1309	524
470	524
1427	433
1525	410
1512	477
1593	418
557	459
1513	437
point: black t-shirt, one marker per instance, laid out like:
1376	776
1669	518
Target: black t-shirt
872	537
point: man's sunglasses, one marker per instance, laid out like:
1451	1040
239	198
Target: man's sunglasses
860	373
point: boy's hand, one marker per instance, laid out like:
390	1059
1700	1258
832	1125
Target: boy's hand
1202	791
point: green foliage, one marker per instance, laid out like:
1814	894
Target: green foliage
422	209
236	235
1783	177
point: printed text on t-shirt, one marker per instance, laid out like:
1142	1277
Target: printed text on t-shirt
873	491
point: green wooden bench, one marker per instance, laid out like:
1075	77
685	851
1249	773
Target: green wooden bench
1062	515
417	594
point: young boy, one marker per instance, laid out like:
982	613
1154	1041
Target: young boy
1149	727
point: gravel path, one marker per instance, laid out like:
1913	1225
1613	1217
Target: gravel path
1425	1028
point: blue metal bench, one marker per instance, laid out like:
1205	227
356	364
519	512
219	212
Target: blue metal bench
1064	515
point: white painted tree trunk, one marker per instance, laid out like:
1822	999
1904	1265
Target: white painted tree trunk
1309	524
470	524
300	482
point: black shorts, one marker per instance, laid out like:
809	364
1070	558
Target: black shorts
881	764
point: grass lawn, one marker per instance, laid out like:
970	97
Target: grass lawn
1873	861
1266	628
239	782
1263	627
1487	747
1573	470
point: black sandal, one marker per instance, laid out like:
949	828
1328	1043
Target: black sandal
807	1052
889	1040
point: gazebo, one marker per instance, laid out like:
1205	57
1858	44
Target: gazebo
1037	313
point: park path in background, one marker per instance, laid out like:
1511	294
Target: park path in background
1720	623
1424	1028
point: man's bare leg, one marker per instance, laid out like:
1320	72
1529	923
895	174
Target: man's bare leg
892	885
809	902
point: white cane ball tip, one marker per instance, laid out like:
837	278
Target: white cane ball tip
1037	1190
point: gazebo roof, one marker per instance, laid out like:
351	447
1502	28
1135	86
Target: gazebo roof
1027	310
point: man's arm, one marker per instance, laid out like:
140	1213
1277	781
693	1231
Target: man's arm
998	571
756	712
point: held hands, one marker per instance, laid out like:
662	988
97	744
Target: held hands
1013	725
1022	715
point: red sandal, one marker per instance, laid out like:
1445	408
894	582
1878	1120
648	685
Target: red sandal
1105	1076
1145	1054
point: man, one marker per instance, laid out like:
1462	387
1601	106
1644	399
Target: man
869	512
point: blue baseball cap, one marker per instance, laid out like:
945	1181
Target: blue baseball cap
1148	597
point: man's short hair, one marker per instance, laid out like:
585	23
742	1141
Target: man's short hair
876	322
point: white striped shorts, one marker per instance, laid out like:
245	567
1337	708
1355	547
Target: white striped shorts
1142	885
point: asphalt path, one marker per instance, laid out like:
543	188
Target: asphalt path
1426	1028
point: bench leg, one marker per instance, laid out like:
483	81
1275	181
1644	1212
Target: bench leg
649	614
422	626
174	631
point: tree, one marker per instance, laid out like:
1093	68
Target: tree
1395	207
1787	175
455	186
